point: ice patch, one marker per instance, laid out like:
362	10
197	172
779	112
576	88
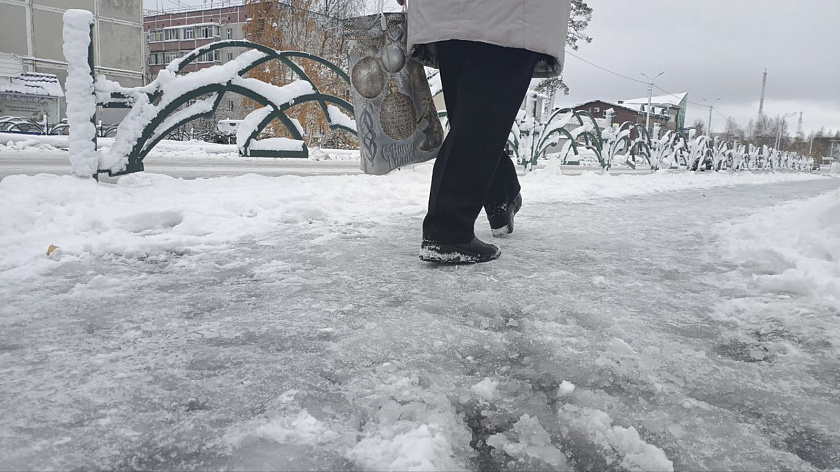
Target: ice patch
620	347
527	442
635	454
793	248
100	284
285	428
485	389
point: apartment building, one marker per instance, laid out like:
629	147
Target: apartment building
32	40
173	33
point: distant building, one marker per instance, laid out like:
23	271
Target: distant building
825	149
173	33
620	114
666	110
33	36
672	105
27	94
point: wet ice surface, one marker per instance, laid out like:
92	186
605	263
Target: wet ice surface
608	336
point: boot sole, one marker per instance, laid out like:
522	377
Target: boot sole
443	254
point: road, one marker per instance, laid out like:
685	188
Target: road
31	162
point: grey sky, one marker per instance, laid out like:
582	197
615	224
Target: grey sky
712	49
717	48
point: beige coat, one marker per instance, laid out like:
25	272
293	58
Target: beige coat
536	25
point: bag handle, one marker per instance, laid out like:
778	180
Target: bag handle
383	23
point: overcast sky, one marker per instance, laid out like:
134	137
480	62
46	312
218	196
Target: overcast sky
711	49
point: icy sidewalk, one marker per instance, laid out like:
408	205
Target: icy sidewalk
286	323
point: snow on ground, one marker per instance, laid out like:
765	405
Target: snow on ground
791	249
165	148
673	321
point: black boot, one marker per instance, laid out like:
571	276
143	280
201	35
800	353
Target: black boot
501	217
468	253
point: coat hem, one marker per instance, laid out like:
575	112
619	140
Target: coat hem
547	65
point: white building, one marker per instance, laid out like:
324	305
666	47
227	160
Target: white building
32	31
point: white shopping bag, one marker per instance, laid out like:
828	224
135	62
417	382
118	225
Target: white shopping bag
396	118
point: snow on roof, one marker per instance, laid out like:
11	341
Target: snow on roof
30	83
655	108
669	99
614	104
10	65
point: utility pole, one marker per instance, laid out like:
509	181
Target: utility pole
650	97
711	108
763	90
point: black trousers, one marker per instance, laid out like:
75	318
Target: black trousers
483	87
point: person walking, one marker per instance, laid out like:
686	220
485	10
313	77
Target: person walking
487	52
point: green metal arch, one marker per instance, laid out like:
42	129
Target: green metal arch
279	113
148	139
592	119
643	145
544	139
143	145
270	54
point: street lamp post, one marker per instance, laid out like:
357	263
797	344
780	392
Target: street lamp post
782	125
650	97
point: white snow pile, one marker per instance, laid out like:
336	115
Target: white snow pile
81	105
326	154
31	143
621	444
793	249
191	149
167	148
276	144
556	188
406	427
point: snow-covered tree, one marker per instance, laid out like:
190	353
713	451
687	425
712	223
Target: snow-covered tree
732	130
579	20
699	127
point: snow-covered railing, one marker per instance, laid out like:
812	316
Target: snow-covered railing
172	100
631	145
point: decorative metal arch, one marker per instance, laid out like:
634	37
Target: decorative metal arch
562	131
152	134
